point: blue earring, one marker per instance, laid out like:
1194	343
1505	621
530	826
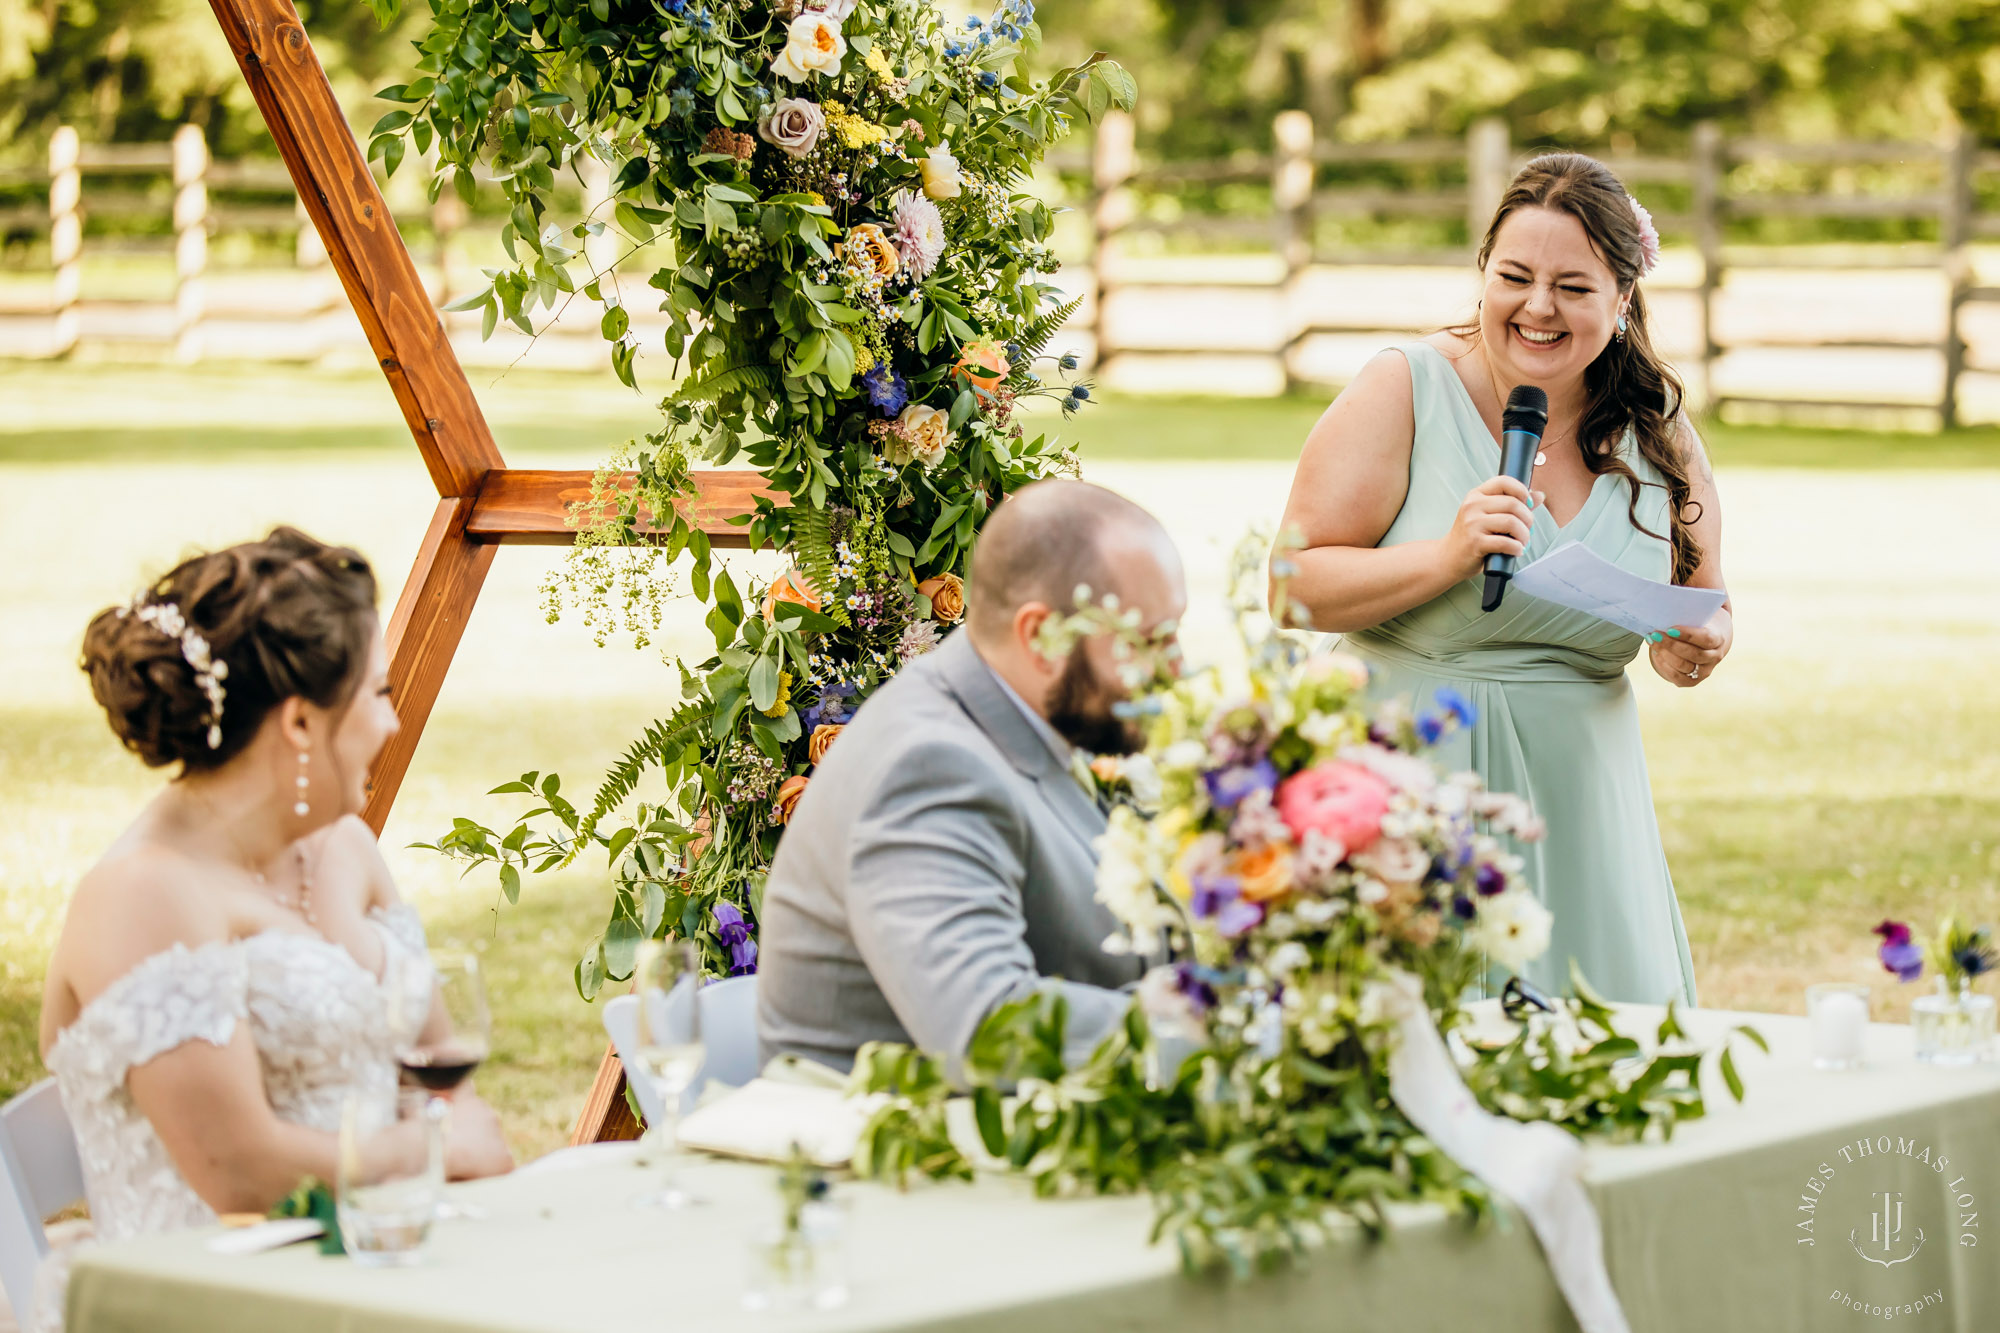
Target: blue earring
1621	326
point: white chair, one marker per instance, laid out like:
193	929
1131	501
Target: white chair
728	1030
40	1175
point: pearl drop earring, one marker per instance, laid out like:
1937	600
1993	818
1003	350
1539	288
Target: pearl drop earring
300	808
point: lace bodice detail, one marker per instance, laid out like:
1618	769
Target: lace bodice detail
320	1021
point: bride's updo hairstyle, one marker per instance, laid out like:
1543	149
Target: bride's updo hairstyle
189	670
1629	384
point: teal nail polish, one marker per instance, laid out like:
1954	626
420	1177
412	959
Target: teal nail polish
1652	638
1673	634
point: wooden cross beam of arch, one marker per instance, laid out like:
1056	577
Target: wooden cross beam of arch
482	503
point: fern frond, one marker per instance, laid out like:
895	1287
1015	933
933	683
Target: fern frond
812	552
661	744
747	378
1036	336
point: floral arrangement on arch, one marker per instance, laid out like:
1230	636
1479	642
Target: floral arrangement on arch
856	284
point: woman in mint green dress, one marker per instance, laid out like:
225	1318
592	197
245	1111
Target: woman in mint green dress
1398	502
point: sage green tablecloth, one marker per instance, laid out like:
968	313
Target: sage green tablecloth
1704	1233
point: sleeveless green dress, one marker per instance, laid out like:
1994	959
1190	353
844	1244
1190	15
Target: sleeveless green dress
1557	723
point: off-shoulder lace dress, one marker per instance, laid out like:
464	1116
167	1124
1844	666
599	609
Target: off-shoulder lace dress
321	1024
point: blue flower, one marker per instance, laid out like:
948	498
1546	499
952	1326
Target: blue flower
1227	787
1068	362
972	21
733	933
1080	392
1430	728
1462	908
1460	707
988	79
886	389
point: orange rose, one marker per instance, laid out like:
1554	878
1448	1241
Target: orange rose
787	799
984	363
1265	873
790	587
822	740
866	241
1105	769
947	594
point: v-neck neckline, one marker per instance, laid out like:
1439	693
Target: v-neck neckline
1540	510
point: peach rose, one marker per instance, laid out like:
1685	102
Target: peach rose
1340	800
866	240
822	740
922	434
790	587
787	799
813	45
1263	874
947	594
984	363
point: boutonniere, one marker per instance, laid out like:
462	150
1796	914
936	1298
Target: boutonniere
1120	780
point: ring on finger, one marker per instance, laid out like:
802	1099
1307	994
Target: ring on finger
1695	673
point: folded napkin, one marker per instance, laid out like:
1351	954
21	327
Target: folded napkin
766	1117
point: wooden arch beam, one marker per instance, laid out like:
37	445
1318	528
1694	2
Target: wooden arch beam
481	502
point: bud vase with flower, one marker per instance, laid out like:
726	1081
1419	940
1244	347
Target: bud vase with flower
1954	1025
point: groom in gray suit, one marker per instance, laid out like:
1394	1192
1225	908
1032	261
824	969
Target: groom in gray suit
940	862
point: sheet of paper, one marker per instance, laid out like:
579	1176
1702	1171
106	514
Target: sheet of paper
1577	577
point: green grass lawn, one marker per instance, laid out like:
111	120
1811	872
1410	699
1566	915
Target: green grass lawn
1844	766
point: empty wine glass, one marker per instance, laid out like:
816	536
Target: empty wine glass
668	1051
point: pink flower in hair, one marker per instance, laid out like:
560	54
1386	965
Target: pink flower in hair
1649	237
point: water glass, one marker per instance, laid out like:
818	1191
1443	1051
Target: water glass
389	1184
669	1053
1953	1028
1837	1013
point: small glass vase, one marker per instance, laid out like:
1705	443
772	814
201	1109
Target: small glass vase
1953	1028
802	1267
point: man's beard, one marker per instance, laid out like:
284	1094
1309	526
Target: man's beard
1080	711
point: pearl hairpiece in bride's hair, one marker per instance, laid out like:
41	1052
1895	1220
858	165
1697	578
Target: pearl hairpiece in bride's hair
208	673
1649	237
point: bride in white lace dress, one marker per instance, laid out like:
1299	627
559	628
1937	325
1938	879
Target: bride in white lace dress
216	992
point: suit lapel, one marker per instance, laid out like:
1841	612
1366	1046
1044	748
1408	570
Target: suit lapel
984	699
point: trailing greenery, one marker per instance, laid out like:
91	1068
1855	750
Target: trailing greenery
1246	1155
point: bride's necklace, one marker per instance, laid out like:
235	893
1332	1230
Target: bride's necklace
302	904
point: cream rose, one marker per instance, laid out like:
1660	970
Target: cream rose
813	45
941	175
922	434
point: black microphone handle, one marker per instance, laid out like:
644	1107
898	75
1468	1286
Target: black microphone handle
1517	460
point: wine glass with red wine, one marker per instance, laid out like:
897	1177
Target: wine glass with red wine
439	1045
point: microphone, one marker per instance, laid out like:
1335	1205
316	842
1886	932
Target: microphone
1521	426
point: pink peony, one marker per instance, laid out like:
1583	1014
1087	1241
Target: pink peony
918	231
1340	800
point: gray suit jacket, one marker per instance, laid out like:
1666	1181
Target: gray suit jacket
939	864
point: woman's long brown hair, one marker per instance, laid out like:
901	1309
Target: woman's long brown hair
1628	385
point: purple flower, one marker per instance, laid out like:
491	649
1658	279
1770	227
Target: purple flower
1462	907
831	706
1460	707
1228	786
1237	918
733	933
1489	880
887	390
1212	893
1191	979
1897	953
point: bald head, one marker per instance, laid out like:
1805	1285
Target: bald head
1047	538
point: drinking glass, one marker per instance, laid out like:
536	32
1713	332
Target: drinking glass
387	1189
444	1030
669	1051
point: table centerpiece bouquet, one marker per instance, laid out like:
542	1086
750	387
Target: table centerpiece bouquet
1328	897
